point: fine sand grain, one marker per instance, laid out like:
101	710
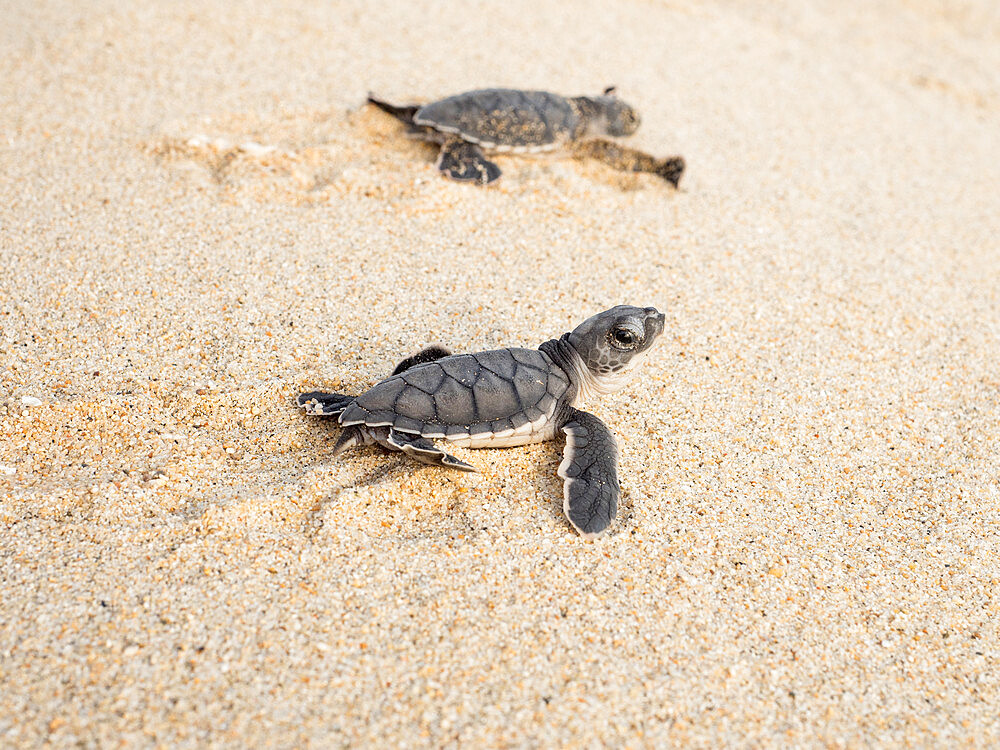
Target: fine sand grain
199	219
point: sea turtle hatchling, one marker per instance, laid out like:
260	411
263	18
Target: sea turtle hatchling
508	397
512	121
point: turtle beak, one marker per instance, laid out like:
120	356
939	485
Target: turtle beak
655	321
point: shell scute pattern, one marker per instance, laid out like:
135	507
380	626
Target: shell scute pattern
479	429
417	403
454	397
530	358
462	367
505	367
503	119
519	420
495	397
407	424
434	431
454	402
502	427
428	378
547	402
529	385
557	381
533	413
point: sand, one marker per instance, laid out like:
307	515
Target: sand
199	218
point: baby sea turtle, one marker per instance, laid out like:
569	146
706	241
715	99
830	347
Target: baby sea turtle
512	121
508	397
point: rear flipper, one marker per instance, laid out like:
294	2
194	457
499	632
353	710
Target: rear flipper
350	437
323	404
590	468
403	114
629	160
423	450
466	162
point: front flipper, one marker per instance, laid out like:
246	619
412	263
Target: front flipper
429	354
590	468
465	162
324	404
423	450
629	160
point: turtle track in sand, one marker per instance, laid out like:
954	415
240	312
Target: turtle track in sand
301	158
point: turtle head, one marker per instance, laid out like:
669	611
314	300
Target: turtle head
619	118
605	115
612	344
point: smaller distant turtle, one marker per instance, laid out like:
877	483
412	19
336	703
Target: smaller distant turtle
508	397
522	122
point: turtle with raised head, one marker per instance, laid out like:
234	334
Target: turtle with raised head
508	397
512	121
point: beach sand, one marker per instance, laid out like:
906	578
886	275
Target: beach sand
199	218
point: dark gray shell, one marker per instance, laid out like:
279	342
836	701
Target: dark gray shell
503	119
466	394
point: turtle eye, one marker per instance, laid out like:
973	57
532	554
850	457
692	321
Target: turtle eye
623	338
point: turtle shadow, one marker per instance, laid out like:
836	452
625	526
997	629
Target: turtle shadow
625	522
313	521
544	475
540	464
454	519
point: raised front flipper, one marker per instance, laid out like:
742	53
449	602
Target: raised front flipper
429	354
425	451
590	468
323	404
629	160
466	162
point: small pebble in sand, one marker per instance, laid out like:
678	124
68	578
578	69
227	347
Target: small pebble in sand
256	149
